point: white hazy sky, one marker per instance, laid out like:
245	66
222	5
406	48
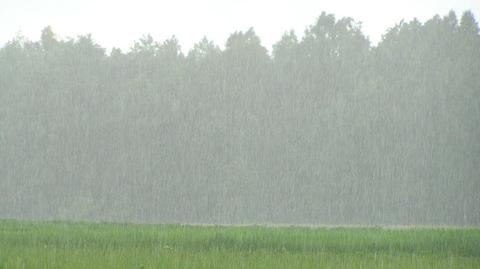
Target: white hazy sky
117	23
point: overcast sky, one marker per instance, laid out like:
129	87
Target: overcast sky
117	23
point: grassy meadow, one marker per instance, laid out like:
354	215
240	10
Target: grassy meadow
65	245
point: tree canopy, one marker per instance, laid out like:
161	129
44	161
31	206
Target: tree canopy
327	129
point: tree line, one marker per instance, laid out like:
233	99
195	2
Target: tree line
325	129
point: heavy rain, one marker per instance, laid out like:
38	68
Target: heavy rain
238	147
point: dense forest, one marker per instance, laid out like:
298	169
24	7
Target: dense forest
325	128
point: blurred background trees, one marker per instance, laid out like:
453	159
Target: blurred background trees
327	129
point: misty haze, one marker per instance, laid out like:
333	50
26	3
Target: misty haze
325	130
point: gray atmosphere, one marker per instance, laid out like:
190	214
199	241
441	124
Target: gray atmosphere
323	128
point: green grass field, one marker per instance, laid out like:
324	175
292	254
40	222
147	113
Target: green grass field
81	245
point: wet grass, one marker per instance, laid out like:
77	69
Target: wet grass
84	245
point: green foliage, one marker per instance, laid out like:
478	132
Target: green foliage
328	129
86	245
